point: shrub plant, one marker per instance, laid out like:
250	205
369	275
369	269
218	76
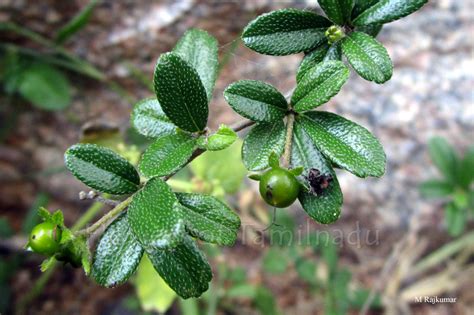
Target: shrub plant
288	140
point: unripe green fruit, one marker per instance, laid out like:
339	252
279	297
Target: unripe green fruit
279	188
45	238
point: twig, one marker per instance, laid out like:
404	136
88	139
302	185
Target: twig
242	125
109	215
124	204
92	195
289	138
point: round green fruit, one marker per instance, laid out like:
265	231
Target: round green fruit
45	238
279	188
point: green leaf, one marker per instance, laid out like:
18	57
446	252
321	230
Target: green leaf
152	291
76	23
265	301
455	219
372	29
306	270
368	57
385	11
262	140
214	167
209	219
184	268
320	54
45	87
222	139
466	169
153	217
319	84
199	49
256	100
167	155
297	171
117	254
325	208
285	32
181	93
338	11
362	5
345	143
436	188
102	169
275	261
149	119
274	160
444	157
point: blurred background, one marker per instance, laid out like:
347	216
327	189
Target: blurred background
70	71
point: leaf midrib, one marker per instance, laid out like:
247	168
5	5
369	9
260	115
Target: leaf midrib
341	143
379	73
104	170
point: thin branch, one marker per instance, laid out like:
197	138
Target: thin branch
289	139
124	204
108	216
92	195
242	125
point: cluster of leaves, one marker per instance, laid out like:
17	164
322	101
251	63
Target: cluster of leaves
158	221
349	30
456	186
320	140
38	77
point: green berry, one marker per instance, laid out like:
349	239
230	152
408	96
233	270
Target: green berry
279	187
45	238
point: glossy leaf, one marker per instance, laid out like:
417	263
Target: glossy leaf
149	119
385	11
209	219
199	49
167	155
323	53
153	217
325	208
338	11
152	291
181	93
117	254
345	143
76	23
102	169
285	32
444	157
256	100
262	140
368	57
45	87
362	5
371	29
184	268
319	84
436	188
222	139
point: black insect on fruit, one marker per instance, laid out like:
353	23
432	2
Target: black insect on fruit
318	182
45	238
